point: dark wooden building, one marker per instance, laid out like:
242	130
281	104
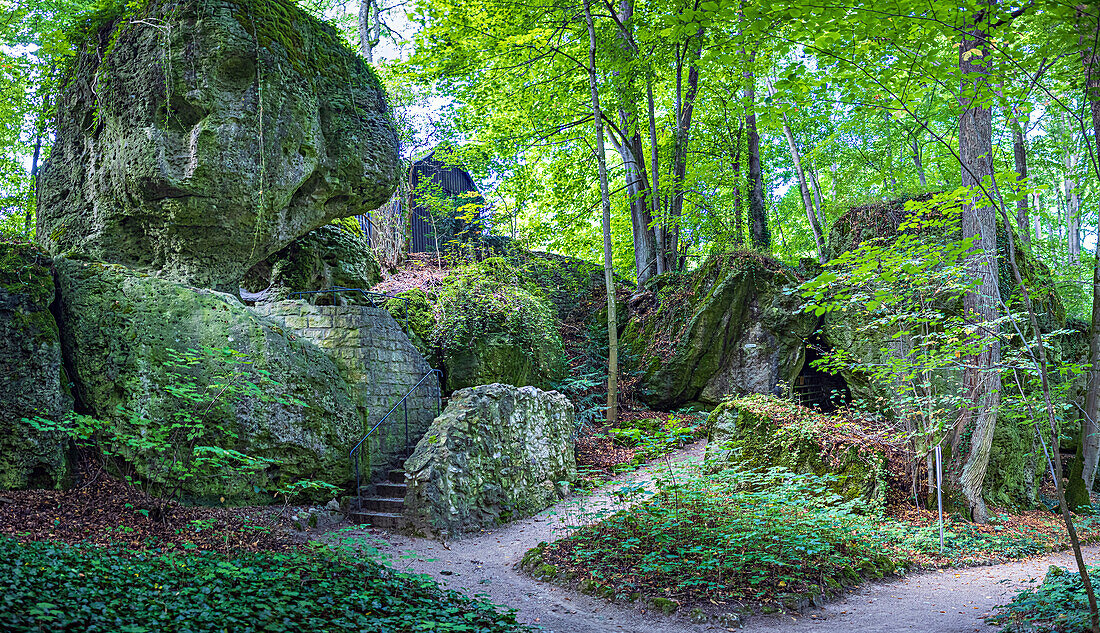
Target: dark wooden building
439	211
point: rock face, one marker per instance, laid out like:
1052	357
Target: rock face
761	432
496	453
728	328
32	382
197	138
116	326
333	255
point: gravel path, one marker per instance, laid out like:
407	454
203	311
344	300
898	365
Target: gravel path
951	601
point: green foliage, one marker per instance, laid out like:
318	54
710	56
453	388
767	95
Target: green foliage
732	534
59	587
1058	605
651	438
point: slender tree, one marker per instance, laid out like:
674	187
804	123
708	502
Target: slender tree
605	205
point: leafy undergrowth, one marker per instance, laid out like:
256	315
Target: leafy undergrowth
773	541
639	437
62	587
105	511
1058	605
726	537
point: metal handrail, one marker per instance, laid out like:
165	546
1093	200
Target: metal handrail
369	294
403	401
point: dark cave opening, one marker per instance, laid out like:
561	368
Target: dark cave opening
817	388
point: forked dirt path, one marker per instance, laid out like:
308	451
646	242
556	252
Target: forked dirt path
951	601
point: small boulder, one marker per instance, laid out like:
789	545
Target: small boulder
32	381
497	453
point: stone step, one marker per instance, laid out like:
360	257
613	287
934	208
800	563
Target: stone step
390	489
397	476
384	520
382	504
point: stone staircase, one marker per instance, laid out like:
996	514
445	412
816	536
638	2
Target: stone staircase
386	506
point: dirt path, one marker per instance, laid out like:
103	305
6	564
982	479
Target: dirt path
953	601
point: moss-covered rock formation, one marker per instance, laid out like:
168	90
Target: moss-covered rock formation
732	326
32	380
763	432
335	255
489	322
497	453
117	327
196	138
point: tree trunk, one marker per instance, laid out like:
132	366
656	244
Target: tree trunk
659	226
738	207
685	106
370	28
822	222
759	234
1019	151
28	216
804	187
1091	435
915	145
1073	208
605	204
981	377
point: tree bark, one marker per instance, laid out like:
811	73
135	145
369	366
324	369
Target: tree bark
1073	208
685	106
981	377
759	234
1091	434
605	205
915	145
370	28
659	226
1019	152
803	185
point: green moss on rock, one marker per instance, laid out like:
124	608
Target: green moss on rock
763	432
732	326
222	129
116	326
32	382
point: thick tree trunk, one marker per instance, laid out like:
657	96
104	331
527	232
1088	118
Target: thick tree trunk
759	234
1091	435
981	377
605	205
637	190
1019	152
738	206
685	107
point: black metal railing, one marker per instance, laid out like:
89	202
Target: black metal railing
356	452
368	294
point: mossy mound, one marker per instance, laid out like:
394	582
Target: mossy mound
32	380
732	326
196	138
494	328
335	255
762	432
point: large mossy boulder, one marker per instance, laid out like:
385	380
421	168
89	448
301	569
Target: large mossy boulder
497	453
196	138
335	255
118	327
32	379
733	326
761	432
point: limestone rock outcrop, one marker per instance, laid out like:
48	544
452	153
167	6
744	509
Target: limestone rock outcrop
32	382
197	138
760	432
733	326
496	453
334	255
117	327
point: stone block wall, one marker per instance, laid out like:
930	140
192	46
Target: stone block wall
377	359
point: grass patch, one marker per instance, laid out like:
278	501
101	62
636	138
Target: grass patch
56	586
